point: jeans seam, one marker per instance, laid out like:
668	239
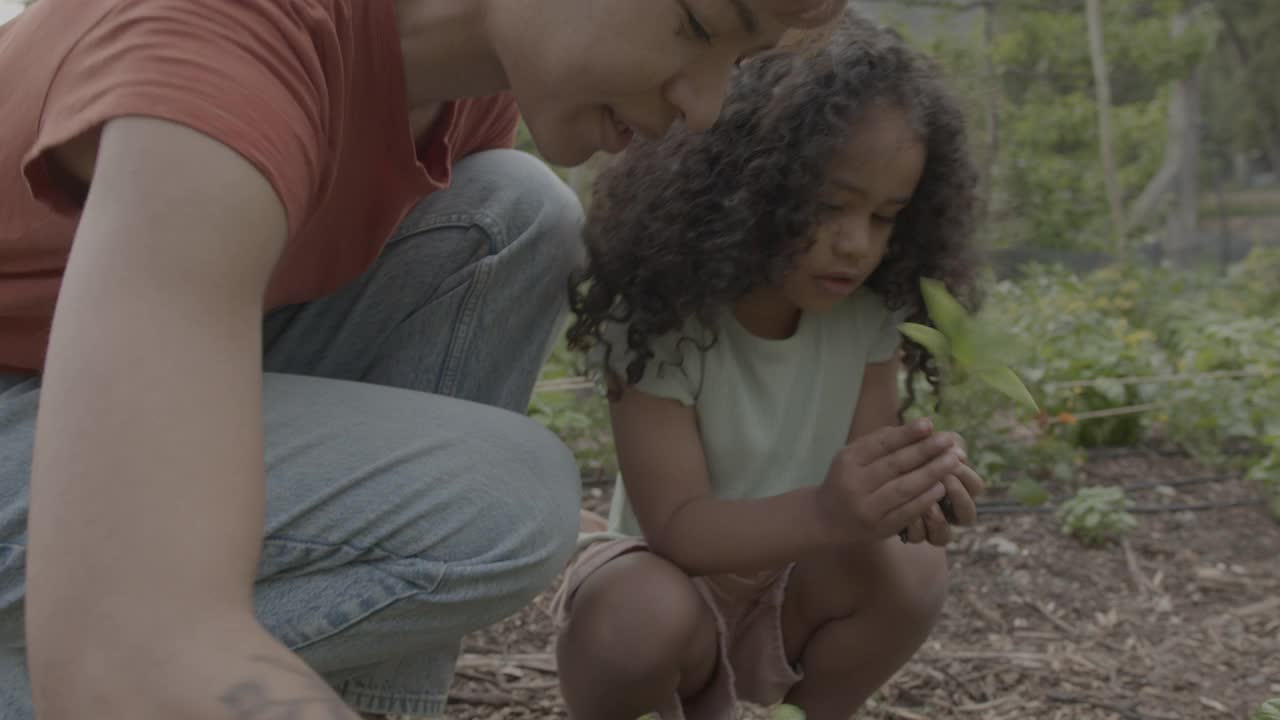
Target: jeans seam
427	704
486	222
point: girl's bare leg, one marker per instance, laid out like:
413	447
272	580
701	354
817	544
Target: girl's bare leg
638	633
852	620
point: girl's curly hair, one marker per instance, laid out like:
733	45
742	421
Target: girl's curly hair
685	225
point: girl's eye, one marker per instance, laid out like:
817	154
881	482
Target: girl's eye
824	207
699	30
884	219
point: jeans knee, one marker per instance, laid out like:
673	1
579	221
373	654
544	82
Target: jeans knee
533	205
538	532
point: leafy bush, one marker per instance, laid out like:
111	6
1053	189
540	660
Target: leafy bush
1096	515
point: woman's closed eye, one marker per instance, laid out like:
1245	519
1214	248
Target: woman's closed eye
696	27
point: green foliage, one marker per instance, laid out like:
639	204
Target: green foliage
1027	491
1111	329
966	347
1269	710
787	712
1029	91
1096	515
580	418
1266	473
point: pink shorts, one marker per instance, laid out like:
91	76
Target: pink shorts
752	661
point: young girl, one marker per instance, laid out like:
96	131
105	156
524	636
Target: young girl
743	295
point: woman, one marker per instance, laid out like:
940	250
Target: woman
206	514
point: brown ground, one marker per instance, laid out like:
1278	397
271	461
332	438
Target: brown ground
1180	621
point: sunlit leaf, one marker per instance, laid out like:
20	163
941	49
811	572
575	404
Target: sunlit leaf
1007	382
929	338
787	712
947	313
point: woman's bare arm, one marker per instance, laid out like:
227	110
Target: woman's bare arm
148	482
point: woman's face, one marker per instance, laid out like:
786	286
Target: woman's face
591	74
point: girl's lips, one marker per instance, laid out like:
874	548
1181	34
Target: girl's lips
837	284
617	134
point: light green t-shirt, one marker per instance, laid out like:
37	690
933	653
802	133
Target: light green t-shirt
772	413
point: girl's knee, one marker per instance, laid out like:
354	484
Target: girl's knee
635	617
919	587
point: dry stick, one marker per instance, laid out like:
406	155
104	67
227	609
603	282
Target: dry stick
1062	625
1140	581
494	699
1126	712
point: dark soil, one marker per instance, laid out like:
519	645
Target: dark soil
1179	621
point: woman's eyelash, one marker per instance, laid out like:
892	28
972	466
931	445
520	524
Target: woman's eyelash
699	30
885	219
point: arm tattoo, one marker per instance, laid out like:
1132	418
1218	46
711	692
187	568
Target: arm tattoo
252	700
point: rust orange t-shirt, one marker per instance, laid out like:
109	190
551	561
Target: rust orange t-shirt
312	92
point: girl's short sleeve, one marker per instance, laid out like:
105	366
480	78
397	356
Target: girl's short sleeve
674	372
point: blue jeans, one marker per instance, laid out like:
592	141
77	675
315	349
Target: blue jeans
409	500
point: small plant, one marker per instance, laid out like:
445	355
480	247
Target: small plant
788	712
1269	710
1096	515
965	347
1267	474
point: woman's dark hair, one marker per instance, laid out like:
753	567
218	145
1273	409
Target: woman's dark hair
682	226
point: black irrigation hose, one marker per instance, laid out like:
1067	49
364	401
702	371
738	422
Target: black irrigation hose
984	510
1131	487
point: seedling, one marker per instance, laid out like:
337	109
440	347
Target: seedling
964	347
1269	710
1096	515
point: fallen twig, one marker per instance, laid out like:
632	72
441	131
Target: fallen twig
1129	713
1140	581
495	699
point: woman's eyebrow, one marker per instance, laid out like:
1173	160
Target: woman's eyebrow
746	15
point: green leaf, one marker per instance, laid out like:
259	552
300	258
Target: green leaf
929	338
1269	710
947	313
1007	382
1029	492
787	712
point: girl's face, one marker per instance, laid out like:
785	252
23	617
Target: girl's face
870	181
589	76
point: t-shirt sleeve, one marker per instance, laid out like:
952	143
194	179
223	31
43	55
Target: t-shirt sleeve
488	123
674	372
887	337
249	74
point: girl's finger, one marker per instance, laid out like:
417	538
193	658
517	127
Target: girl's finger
971	480
964	511
937	531
916	532
902	516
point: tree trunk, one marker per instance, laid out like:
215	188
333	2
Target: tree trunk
1102	86
1184	129
993	108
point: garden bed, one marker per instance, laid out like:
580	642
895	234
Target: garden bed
1180	621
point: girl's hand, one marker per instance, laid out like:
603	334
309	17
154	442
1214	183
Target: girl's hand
885	480
957	508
